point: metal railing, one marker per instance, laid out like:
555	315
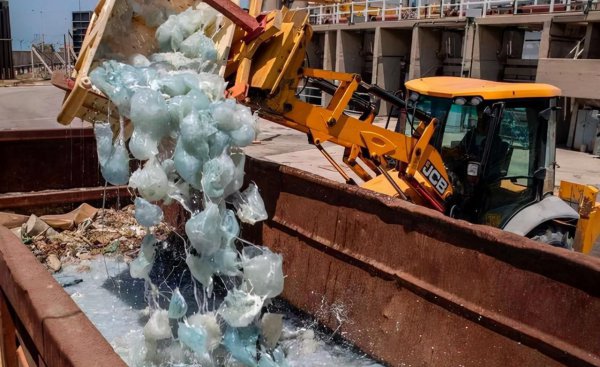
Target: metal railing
393	10
314	96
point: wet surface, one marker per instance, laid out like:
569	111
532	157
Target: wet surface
115	304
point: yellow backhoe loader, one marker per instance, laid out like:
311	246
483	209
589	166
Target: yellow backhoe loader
472	149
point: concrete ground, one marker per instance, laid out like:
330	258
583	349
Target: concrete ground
36	107
31	107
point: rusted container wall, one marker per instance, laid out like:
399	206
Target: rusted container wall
49	159
53	171
52	328
421	289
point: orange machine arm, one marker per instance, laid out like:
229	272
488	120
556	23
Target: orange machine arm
265	71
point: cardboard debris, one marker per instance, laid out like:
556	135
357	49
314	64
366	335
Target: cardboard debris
34	226
71	219
109	232
11	220
61	221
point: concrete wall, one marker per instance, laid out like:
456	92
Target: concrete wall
426	44
349	44
592	41
488	42
563	37
392	59
576	78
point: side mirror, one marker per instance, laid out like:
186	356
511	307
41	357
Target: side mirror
546	113
540	174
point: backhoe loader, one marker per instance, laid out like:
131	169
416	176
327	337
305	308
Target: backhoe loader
472	149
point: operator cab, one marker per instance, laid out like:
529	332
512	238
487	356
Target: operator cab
496	141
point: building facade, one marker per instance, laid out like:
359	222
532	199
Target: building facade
6	61
389	42
81	21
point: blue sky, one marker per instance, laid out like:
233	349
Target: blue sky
30	18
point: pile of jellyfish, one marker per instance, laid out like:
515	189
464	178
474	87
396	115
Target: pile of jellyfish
189	138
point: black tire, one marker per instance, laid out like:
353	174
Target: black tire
553	236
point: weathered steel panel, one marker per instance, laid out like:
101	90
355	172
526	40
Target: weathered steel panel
422	289
48	159
58	329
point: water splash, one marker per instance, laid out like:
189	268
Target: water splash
190	137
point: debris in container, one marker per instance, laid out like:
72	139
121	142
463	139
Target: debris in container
84	233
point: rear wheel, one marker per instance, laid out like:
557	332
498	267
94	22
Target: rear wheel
553	236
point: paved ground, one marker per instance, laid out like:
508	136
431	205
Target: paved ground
31	107
36	107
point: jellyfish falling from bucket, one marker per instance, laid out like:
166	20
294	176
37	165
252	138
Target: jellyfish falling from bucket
189	138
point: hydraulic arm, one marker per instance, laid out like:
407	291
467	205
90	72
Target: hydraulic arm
265	68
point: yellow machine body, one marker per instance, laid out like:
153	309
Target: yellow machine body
265	72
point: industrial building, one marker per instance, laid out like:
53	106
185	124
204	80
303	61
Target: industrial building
388	42
6	62
81	21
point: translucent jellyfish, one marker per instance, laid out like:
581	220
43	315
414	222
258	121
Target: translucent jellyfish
190	21
213	85
118	81
204	230
199	46
177	61
201	271
173	84
225	116
147	214
149	113
104	141
188	166
157	327
142	145
239	161
169	35
250	205
226	262
230	229
241	343
263	272
218	143
193	337
208	15
147	247
177	306
140	61
140	267
208	321
243	136
239	308
116	169
218	174
195	130
151	181
199	100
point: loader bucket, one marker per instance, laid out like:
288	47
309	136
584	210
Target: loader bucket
118	31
